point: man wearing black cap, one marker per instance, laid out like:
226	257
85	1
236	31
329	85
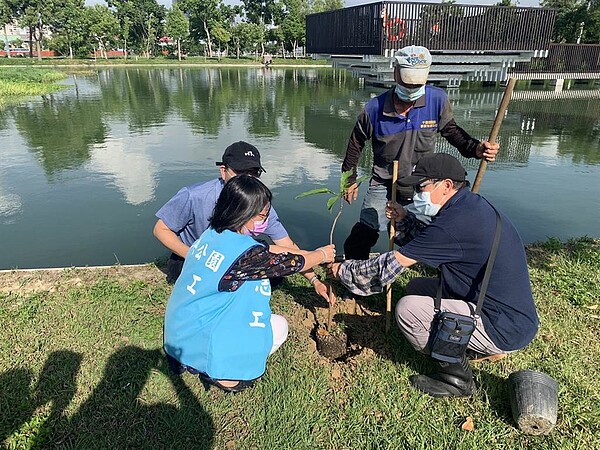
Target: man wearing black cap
457	242
184	218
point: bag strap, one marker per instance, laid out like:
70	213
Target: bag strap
437	303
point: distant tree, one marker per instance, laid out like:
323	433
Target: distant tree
143	20
260	11
277	36
293	25
101	28
230	15
68	22
578	21
221	36
177	27
5	19
36	15
204	15
125	30
263	13
246	37
326	5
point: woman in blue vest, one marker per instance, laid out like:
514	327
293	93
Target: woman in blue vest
218	321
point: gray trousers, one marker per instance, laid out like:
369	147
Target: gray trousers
414	315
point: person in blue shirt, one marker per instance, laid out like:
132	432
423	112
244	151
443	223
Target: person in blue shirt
218	322
186	216
457	242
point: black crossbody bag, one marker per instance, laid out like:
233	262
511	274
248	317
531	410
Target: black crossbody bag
451	332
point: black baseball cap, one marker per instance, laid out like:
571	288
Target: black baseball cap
241	156
438	166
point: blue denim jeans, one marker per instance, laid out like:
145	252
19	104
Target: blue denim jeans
372	213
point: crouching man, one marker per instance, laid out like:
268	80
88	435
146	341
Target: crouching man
458	242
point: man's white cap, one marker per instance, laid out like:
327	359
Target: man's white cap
414	62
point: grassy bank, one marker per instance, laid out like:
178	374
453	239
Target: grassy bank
81	367
160	60
16	82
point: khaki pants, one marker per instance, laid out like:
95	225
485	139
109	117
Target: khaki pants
414	315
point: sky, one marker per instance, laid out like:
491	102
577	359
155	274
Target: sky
527	3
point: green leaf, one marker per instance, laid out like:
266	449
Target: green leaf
332	201
344	180
315	191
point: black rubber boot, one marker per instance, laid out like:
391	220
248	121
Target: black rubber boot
360	241
451	380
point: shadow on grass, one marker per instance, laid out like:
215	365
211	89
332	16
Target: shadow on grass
494	391
56	385
116	414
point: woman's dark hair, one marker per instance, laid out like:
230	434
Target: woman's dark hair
242	198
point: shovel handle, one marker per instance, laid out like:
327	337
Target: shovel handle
495	130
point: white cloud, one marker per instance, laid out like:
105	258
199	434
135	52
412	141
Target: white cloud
132	171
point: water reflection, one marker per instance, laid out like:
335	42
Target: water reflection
60	131
10	206
128	168
90	165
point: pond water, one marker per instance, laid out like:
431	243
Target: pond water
83	171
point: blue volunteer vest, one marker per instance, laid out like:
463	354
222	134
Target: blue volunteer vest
226	335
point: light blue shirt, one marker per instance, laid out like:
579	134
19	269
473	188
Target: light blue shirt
188	212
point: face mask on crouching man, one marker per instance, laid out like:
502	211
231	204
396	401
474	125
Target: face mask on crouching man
457	242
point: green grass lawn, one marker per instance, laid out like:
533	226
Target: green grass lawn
81	367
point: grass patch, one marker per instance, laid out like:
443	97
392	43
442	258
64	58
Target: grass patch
15	82
81	367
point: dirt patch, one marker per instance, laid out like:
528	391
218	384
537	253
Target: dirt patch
363	331
25	282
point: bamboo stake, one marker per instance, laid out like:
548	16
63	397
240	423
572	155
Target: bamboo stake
388	288
495	129
330	293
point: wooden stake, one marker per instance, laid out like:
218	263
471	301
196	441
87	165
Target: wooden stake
495	129
388	288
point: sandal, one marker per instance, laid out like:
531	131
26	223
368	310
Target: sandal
239	387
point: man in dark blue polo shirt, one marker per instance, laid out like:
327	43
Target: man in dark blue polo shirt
458	242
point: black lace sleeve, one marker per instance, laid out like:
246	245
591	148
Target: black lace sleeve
258	263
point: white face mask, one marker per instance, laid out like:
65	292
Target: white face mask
423	205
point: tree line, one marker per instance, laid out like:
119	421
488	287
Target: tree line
578	21
141	26
210	26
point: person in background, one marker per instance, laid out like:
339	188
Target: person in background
185	217
457	242
402	124
218	322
